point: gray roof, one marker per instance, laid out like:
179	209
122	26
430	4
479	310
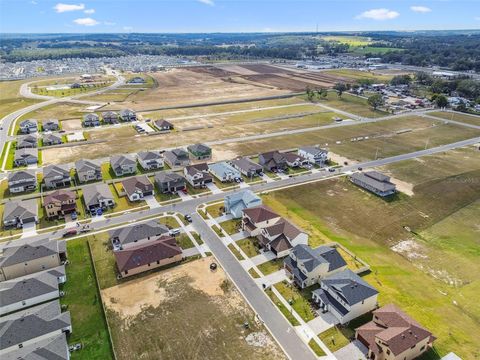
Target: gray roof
32	323
223	168
95	192
28	122
246	164
15	254
55	170
199	148
349	286
375	179
175	154
20	209
119	160
136	232
52	138
126	112
50	122
311	258
149	155
26	140
313	150
168	176
91	117
54	348
26	152
23	175
85	165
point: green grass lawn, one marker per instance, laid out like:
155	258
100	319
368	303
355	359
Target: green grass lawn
465	118
215	210
218	231
121	202
253	273
9	164
288	315
69	92
184	241
235	252
249	247
334	338
270	267
231	226
11	98
84	303
316	348
299	299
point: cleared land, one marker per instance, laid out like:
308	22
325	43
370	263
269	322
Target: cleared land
11	100
60	111
465	118
203	312
433	279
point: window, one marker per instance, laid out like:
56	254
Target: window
422	348
126	272
413	346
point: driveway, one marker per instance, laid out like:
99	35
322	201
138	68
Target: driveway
263	257
223	218
29	229
151	201
213	188
239	236
183	196
273	278
322	322
355	350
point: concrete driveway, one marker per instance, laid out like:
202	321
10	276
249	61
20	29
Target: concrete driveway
322	322
151	201
353	351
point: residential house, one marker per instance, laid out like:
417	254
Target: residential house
88	170
314	156
393	335
176	158
345	295
163	125
281	237
197	175
31	290
60	203
17	213
375	182
91	120
128	115
247	167
169	182
123	164
51	348
51	139
25	157
27	327
136	80
28	126
307	266
137	187
200	152
56	176
295	160
272	161
110	117
148	255
256	218
17	260
129	236
27	141
51	125
224	172
238	201
21	181
98	196
150	160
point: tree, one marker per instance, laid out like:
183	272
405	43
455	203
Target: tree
310	94
322	93
375	101
441	101
423	78
401	80
340	88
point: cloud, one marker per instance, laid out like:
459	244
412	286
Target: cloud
86	22
127	28
60	8
378	14
207	2
420	9
477	18
109	23
89	11
33	2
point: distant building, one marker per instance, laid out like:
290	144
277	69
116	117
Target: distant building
91	120
315	156
163	125
247	167
200	151
136	80
238	201
224	171
375	182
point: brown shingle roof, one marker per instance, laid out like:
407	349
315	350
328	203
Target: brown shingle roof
260	213
59	196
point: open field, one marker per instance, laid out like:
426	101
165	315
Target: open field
433	279
40	87
60	111
11	99
352	104
115	95
202	310
354	75
349	40
465	118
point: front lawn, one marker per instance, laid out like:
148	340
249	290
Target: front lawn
316	348
235	252
232	226
335	338
249	247
184	241
215	210
288	315
299	299
270	267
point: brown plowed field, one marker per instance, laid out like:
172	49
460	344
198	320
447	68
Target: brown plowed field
211	70
265	69
280	82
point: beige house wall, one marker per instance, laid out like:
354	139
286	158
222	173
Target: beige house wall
154	265
30	267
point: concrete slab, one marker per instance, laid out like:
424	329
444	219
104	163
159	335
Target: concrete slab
322	322
223	218
151	201
213	188
263	257
184	196
355	350
190	252
239	236
272	278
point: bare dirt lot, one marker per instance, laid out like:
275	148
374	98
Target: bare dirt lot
186	312
68	125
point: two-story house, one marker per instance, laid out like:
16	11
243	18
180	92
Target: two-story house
22	181
315	156
91	120
257	218
128	115
88	170
247	167
169	182
51	139
295	160
150	160
25	157
59	203
200	151
27	141
197	175
238	201
224	172
177	158
51	125
110	117
123	164
137	187
272	161
56	176
28	126
281	237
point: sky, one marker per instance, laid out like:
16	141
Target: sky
186	16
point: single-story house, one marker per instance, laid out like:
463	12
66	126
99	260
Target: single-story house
88	170
345	295
123	164
110	117
238	201
137	187
25	157
128	115
272	161
27	141
150	160
91	120
51	139
59	203
131	235
17	260
200	151
224	171
148	255
307	266
98	196
163	125
28	126
50	125
56	176
169	182
176	158
375	182
314	155
21	181
393	335
197	175
16	213
247	167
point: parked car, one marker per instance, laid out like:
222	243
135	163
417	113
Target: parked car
174	232
188	218
331	169
74	215
70	232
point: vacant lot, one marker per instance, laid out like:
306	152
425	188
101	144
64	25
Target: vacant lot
60	111
10	97
202	311
469	119
354	75
352	104
432	275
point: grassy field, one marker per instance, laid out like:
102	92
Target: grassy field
357	74
465	118
60	111
435	280
84	304
377	50
40	87
349	40
352	104
231	226
11	99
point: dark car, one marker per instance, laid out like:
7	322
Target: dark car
70	232
188	218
